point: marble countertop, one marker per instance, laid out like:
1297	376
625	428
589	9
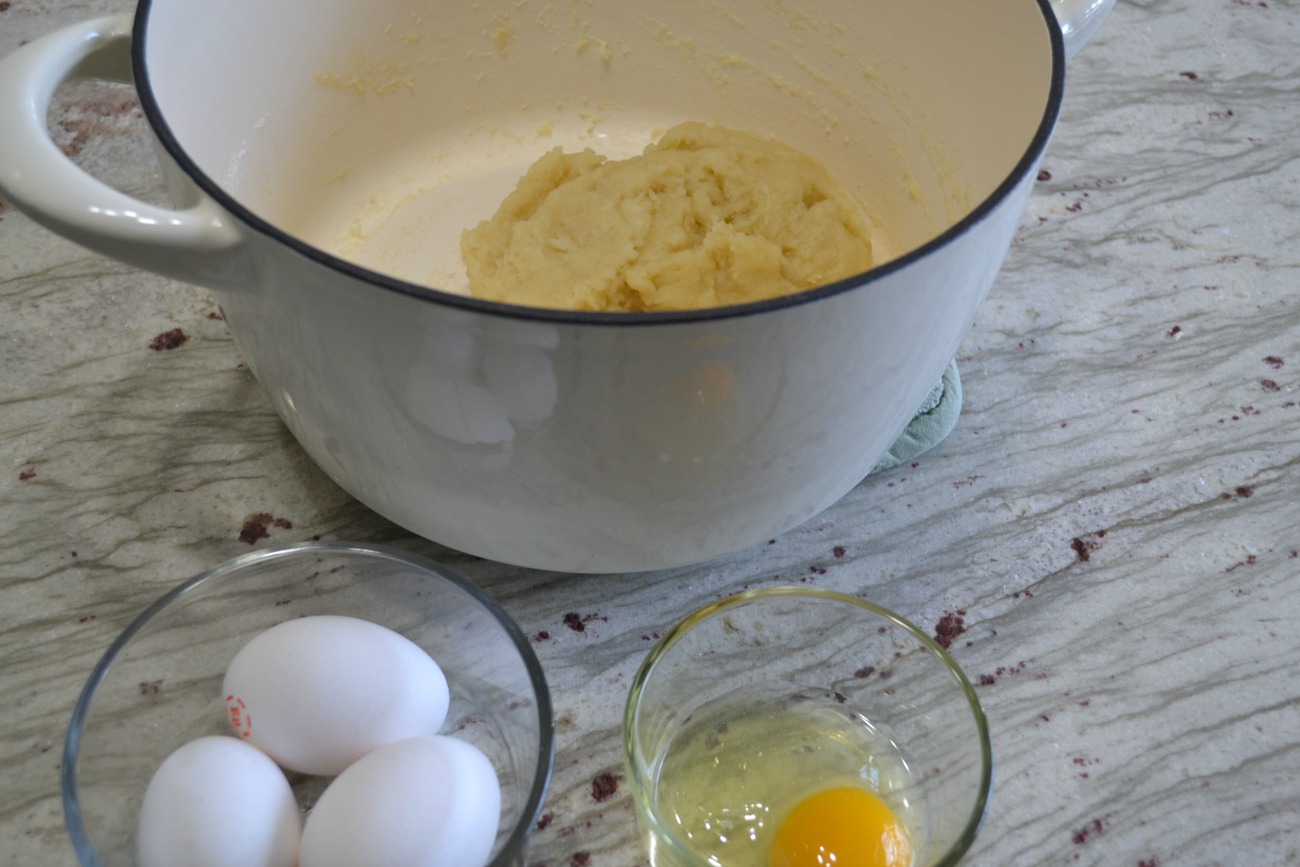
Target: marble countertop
1114	519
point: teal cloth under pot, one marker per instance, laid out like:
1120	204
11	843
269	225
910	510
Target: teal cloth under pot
933	421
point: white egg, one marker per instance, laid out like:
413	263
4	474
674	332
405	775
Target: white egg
216	802
320	692
424	802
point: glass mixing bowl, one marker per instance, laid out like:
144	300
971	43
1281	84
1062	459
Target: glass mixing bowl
159	684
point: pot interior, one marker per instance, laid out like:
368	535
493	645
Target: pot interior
377	132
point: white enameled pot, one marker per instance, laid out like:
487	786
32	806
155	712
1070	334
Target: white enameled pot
325	155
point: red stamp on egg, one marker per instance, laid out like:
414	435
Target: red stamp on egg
240	719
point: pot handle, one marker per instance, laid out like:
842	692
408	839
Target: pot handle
1079	19
192	244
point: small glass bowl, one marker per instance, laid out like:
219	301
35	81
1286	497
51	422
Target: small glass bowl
757	701
159	684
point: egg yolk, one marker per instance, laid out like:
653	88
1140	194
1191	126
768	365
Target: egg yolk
841	827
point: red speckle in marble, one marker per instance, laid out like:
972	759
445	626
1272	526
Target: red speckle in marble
547	818
93	117
1190	76
1081	549
258	527
578	622
168	340
252	531
950	625
1001	671
1274	362
603	787
27	475
1250	560
1092	828
1269	385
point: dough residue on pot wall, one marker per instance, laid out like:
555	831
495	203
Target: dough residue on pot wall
704	217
